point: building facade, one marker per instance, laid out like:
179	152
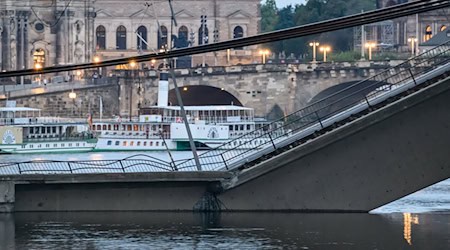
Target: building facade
403	31
57	32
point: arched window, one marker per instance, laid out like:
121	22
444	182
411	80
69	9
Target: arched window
443	27
428	33
238	32
100	34
141	38
182	37
162	37
203	38
39	58
121	38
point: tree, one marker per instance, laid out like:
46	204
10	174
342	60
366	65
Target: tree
310	12
269	16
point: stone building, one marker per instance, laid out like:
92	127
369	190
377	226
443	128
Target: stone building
400	33
57	32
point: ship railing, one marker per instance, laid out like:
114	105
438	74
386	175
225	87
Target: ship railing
297	128
133	164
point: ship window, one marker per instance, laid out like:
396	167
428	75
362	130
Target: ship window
231	127
236	127
136	127
109	143
109	127
54	130
42	130
99	127
47	145
63	145
151	144
23	146
31	146
163	144
48	130
55	145
132	143
104	127
157	143
129	128
124	143
241	127
248	126
70	144
117	143
78	144
31	130
39	146
145	143
138	143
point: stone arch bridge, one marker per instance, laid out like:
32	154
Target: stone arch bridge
272	90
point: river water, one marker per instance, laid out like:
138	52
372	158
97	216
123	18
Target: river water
418	221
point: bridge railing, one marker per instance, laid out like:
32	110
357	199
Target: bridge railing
324	113
294	128
133	164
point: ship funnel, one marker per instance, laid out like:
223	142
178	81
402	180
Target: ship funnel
163	89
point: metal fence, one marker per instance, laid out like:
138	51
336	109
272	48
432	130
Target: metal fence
328	111
135	164
293	128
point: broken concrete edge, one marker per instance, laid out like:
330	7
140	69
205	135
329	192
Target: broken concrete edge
242	176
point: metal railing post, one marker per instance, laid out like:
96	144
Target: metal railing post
18	167
121	165
273	143
318	118
70	168
412	76
224	162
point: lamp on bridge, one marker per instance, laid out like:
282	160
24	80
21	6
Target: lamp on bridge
370	46
73	95
314	46
97	60
325	50
37	67
413	42
264	53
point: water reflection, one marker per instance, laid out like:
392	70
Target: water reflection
408	220
223	231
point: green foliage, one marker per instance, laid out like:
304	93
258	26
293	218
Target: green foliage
348	56
311	12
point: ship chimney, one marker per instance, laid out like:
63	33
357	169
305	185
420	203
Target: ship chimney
163	89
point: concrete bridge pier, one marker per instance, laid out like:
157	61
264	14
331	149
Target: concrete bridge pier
7	196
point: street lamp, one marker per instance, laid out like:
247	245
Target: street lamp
133	65
73	95
37	67
413	42
370	46
325	50
314	45
264	53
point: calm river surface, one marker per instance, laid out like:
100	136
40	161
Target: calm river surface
418	221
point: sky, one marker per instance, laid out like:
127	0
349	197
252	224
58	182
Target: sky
282	3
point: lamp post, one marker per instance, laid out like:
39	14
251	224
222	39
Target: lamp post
97	60
132	66
73	95
37	67
314	45
370	46
325	50
264	53
413	42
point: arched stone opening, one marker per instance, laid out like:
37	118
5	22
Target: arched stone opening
200	95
